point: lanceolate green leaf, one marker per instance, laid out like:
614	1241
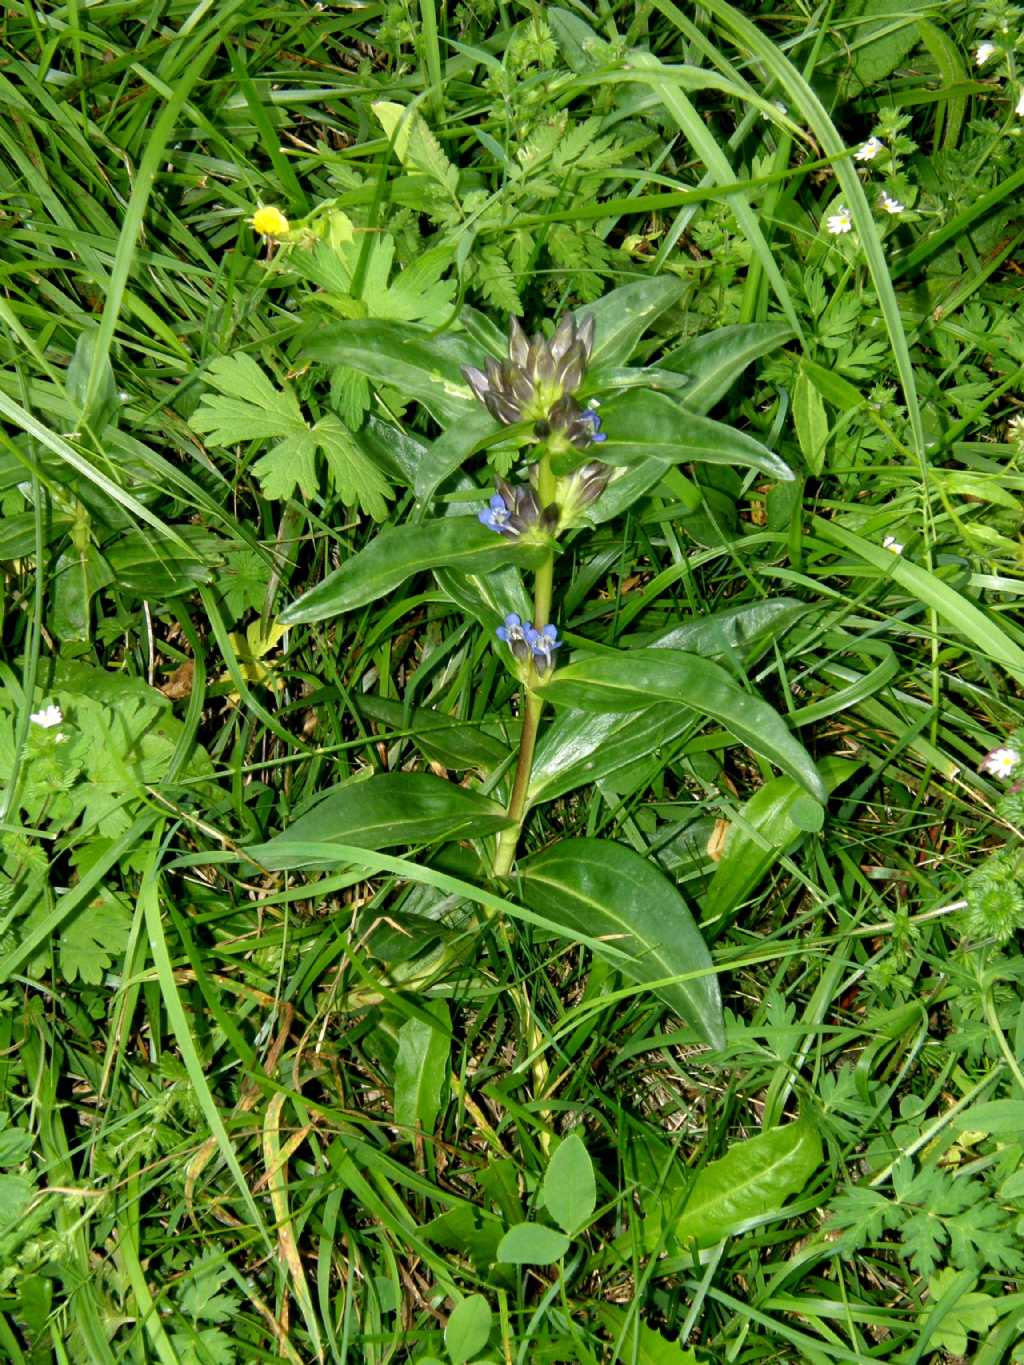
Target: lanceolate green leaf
632	681
604	889
956	610
580	747
384	811
769	826
622	317
750	1184
458	744
408	358
715	360
421	1068
643	426
401	551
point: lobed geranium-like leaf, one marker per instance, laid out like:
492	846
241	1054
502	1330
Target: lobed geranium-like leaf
249	407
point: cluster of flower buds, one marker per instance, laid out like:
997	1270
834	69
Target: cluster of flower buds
530	645
538	380
580	426
516	510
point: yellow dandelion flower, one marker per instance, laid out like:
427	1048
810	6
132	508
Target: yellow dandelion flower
270	221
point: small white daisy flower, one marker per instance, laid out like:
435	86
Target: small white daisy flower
983	53
1019	111
869	150
1000	762
48	717
890	203
1015	429
891	543
839	222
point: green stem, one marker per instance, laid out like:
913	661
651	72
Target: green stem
532	705
509	838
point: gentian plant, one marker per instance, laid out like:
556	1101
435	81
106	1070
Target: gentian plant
576	436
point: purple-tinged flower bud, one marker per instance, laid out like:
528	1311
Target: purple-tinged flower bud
543	643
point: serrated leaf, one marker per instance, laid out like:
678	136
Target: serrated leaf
641	1345
493	276
291	462
357	480
250	407
90	942
415	145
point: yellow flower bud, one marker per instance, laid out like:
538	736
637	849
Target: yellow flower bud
270	221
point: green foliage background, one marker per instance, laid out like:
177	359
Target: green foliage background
378	1112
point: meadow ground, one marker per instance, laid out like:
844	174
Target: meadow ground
511	850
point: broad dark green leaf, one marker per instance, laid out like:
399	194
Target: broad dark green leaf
580	747
77	576
769	827
631	681
750	1184
385	811
452	449
156	568
715	360
622	317
605	889
532	1244
414	360
569	1190
745	630
487	596
468	1328
642	426
401	551
18	535
458	744
421	1068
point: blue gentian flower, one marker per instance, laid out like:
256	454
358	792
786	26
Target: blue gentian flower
515	635
593	420
514	510
495	515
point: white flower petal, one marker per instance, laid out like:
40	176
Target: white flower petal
48	717
983	53
891	543
1000	762
869	150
